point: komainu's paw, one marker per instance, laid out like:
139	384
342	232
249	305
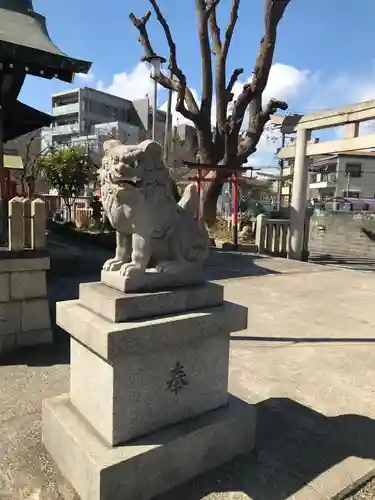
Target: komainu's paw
131	269
113	265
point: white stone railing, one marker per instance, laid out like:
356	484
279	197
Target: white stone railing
25	318
272	236
27	224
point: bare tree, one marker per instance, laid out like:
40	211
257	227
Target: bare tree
222	143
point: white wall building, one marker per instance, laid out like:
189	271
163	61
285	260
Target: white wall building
350	174
84	112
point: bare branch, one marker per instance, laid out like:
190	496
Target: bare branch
184	93
230	29
215	31
273	13
274	10
140	24
223	97
203	13
235	75
257	121
191	112
211	7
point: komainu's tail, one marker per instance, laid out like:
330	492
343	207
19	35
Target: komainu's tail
190	200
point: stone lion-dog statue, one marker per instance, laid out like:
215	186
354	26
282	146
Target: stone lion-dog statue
152	229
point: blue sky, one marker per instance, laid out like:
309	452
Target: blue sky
325	49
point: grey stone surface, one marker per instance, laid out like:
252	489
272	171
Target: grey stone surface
31	264
117	306
4	287
344	236
23	302
152	229
150	280
141	393
109	340
28	285
7	343
10	317
309	340
147	467
35	315
34	337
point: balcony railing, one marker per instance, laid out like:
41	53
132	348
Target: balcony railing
71	128
321	181
67	109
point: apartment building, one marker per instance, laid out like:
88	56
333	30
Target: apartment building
85	112
350	174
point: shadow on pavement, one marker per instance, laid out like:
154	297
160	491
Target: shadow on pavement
305	340
226	265
294	445
65	286
70	257
57	353
357	263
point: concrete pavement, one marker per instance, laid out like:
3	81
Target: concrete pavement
307	359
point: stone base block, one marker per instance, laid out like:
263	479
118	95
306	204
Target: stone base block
152	280
130	379
148	467
118	306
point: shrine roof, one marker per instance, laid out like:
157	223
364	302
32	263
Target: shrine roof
24	40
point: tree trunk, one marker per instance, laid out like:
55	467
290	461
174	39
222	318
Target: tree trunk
210	194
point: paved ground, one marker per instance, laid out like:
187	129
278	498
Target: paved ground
307	359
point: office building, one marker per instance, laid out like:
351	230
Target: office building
81	113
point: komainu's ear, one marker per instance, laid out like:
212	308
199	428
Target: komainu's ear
110	144
151	148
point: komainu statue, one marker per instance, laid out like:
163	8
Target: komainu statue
155	234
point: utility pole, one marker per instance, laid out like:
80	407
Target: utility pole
155	69
252	169
348	184
154	106
3	198
281	167
168	126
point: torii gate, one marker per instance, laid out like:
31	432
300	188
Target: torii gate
349	116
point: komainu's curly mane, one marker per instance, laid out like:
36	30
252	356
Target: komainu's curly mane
139	202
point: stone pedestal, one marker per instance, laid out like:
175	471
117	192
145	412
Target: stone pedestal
24	311
148	406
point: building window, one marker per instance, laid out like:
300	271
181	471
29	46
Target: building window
351	194
353	169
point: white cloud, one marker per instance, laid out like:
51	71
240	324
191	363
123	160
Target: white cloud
177	118
87	78
133	85
304	90
285	82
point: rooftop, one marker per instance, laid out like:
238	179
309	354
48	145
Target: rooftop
91	89
357	153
